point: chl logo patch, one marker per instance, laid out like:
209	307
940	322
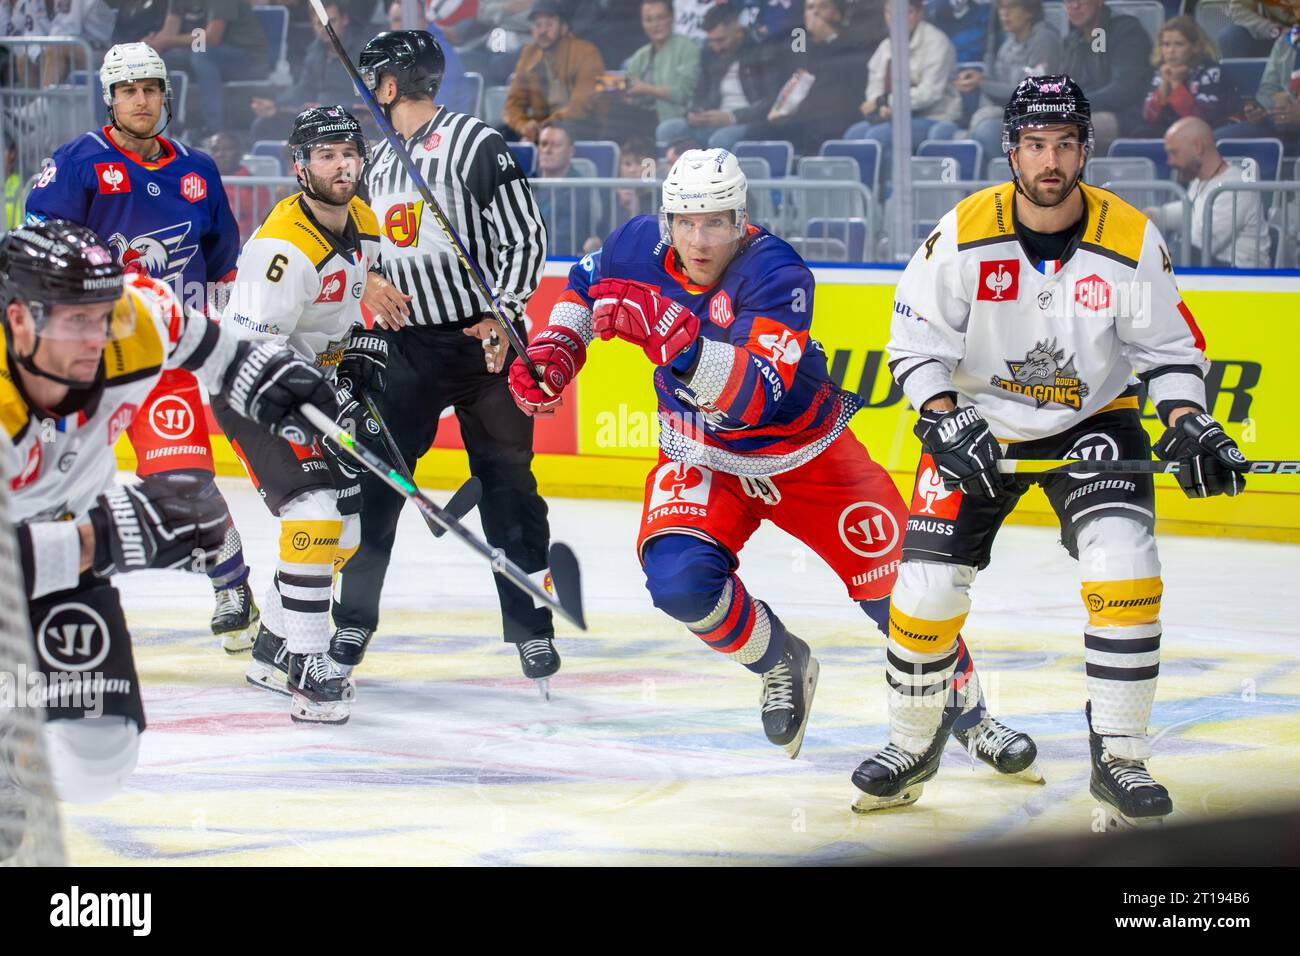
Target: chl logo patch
120	422
332	286
31	469
678	483
194	187
720	312
999	281
170	418
73	637
1093	292
868	529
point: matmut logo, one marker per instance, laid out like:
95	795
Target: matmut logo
332	286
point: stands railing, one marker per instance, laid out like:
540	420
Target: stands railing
40	119
1279	227
1179	240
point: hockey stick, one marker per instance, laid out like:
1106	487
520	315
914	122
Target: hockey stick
565	574
462	502
1049	466
390	134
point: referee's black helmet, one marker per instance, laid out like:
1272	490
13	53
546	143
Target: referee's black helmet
412	57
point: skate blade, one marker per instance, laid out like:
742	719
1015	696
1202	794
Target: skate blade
810	690
238	642
349	690
867	802
544	687
266	677
306	711
1117	822
1030	774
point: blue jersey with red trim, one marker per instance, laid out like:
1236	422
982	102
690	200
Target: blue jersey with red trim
168	218
752	395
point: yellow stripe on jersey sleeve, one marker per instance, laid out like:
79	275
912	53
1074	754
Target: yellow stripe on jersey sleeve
985	217
136	347
364	217
288	223
14	413
1115	229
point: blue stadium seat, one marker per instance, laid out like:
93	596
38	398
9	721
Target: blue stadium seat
779	154
525	155
275	24
471	100
1267	154
968	153
851	232
865	151
1244	73
602	152
1152	149
275	148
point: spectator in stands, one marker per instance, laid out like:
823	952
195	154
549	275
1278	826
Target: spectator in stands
506	25
739	82
571	215
678	146
688	18
636	160
1188	80
664	72
967	23
1032	47
1275	109
26	18
613	25
1239	237
555	79
92	21
770	20
1256	24
1113	74
13	184
234	48
250	204
835	66
935	104
320	80
136	19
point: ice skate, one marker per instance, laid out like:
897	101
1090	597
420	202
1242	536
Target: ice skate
269	668
540	661
319	689
1129	797
1007	751
235	618
895	777
787	697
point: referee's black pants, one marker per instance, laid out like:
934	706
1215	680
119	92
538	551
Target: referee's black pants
431	368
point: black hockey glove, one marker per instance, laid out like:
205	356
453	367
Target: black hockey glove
1209	462
356	420
267	383
364	362
165	521
964	451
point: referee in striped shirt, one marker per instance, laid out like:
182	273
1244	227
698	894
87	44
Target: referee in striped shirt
442	348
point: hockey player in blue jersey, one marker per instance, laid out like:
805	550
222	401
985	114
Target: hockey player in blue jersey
752	428
161	207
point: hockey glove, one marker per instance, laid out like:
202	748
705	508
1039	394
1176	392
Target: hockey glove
558	353
163	522
266	383
637	313
355	419
964	451
1209	462
364	360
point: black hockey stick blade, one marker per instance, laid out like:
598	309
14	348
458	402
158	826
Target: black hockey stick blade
566	577
464	501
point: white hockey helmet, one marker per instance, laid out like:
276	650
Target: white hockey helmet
705	180
132	61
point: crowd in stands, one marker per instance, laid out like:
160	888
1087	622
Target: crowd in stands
649	74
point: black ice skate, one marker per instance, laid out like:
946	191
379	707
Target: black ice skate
270	665
348	646
235	618
320	690
895	777
787	696
1128	795
1005	750
540	661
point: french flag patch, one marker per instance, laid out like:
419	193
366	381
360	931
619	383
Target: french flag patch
1049	267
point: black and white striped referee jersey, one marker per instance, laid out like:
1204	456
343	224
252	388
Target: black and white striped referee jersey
487	200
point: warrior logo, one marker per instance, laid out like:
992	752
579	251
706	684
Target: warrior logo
161	254
868	529
170	418
1092	447
402	223
73	637
1046	376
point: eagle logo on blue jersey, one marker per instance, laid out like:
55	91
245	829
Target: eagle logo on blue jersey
161	254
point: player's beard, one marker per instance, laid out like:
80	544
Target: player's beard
1041	196
330	192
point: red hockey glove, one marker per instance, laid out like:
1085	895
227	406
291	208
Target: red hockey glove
558	353
637	313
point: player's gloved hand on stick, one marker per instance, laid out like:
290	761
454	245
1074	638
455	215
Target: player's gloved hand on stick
267	383
637	313
364	360
1209	462
558	353
964	450
355	419
162	522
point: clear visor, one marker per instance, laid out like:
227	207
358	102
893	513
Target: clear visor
342	160
85	321
704	228
369	76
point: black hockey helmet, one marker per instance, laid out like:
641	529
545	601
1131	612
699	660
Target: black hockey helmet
55	262
413	58
1046	101
325	124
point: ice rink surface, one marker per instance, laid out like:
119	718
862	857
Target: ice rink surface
650	750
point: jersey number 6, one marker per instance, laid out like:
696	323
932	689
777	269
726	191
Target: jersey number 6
275	271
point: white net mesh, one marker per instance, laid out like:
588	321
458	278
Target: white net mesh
29	820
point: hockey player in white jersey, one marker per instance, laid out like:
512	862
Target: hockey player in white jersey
299	281
83	346
1022	328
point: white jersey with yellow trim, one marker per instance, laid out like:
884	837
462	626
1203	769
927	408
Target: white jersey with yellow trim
59	464
299	284
1039	346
